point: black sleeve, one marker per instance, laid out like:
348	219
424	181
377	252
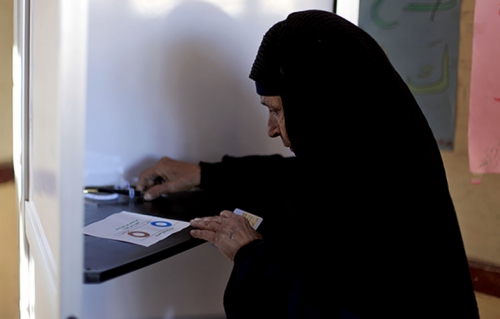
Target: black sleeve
247	173
257	184
263	284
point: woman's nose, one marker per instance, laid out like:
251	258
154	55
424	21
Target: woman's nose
272	127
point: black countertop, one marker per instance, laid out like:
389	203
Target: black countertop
106	259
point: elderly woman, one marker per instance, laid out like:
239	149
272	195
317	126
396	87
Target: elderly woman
360	223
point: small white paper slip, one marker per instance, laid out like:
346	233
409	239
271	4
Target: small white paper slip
253	219
135	228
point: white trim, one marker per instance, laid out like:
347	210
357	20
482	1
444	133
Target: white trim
20	106
25	281
43	292
72	112
41	275
28	100
37	241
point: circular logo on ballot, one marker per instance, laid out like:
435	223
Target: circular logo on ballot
161	223
139	234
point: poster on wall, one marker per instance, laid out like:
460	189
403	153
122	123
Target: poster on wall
421	38
484	108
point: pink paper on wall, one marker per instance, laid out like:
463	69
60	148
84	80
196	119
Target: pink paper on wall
484	115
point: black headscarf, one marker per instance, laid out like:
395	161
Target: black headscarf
334	79
372	174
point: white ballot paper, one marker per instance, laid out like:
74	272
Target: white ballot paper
135	228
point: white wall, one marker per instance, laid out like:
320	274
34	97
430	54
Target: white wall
189	285
349	9
174	81
169	77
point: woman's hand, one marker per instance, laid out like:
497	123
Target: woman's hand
228	232
177	176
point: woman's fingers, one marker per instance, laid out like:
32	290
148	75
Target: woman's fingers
228	232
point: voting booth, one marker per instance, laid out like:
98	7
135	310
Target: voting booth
103	90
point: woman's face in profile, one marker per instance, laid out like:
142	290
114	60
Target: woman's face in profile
276	121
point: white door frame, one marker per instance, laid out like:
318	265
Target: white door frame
58	281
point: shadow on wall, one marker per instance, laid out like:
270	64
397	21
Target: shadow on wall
212	109
172	85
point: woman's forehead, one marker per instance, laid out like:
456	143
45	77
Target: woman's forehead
272	101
